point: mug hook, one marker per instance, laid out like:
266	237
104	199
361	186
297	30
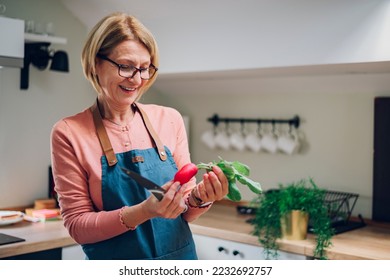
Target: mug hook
242	126
259	128
227	127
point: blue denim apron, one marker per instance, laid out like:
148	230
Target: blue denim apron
157	238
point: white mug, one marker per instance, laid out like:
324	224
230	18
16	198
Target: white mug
222	140
237	141
288	143
208	138
253	141
269	142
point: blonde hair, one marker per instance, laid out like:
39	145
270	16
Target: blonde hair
107	34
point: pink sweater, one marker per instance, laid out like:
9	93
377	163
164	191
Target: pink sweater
76	154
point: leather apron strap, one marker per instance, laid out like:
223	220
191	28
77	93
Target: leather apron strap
102	135
105	141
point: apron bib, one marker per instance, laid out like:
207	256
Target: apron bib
157	238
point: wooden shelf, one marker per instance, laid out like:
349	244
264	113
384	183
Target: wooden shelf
337	78
286	71
37	38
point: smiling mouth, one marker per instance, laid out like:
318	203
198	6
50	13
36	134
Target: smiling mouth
127	88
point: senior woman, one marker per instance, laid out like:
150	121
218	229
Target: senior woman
104	210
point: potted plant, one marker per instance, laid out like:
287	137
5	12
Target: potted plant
273	206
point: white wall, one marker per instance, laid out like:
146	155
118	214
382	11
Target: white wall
336	108
337	123
26	116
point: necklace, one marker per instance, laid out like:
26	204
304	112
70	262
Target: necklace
118	124
121	124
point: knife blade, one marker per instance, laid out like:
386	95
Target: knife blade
155	189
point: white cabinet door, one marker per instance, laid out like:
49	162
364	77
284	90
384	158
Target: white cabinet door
210	248
74	252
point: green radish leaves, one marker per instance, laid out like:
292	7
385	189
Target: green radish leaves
234	193
234	171
241	168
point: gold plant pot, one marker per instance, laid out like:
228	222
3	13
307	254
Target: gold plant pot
294	225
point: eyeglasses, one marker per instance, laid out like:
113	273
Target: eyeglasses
129	71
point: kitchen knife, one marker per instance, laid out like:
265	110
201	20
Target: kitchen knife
155	189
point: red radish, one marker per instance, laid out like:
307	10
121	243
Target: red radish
186	173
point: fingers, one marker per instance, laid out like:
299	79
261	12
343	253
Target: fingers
221	176
171	185
214	186
172	204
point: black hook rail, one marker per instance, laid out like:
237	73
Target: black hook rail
295	121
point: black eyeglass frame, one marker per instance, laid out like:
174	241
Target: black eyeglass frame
136	70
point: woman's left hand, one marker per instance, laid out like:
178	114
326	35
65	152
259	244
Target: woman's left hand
213	187
172	204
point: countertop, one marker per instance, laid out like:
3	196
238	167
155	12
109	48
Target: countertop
369	242
221	221
39	236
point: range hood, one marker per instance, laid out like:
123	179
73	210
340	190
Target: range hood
11	42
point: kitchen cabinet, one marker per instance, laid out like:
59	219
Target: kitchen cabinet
210	248
37	38
11	47
73	252
51	254
381	180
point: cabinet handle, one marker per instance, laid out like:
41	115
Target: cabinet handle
222	249
235	253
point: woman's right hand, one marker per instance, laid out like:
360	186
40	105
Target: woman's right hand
172	204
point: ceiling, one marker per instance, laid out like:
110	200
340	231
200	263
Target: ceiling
90	11
328	31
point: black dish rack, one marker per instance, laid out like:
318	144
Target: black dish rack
340	206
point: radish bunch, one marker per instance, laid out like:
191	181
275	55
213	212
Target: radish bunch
233	170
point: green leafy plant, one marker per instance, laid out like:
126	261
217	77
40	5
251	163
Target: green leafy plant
273	204
234	171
